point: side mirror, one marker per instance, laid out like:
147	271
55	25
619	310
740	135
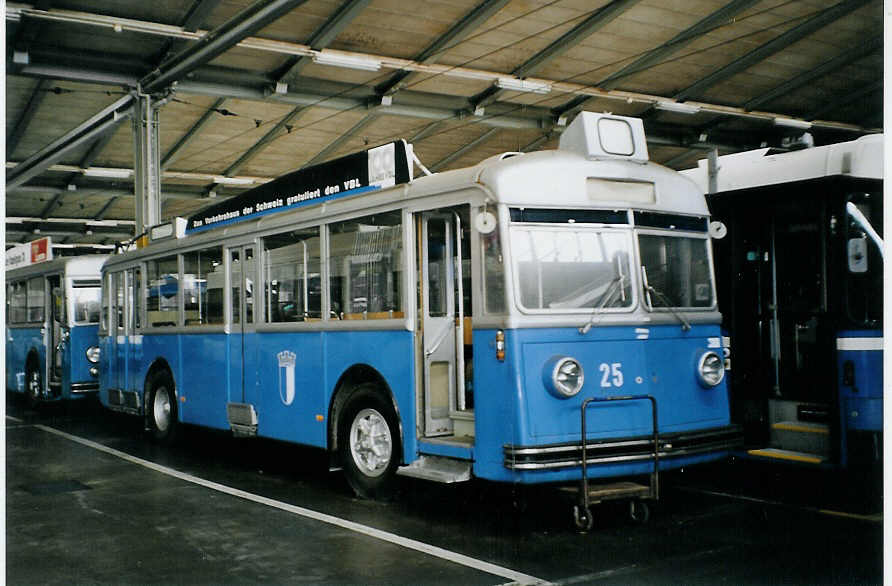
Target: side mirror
857	252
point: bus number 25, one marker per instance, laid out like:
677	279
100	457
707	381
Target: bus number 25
611	374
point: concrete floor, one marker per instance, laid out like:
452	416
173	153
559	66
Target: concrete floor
90	501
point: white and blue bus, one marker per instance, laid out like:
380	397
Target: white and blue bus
801	287
52	322
467	323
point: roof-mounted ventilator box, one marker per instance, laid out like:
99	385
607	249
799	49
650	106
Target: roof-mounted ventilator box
605	136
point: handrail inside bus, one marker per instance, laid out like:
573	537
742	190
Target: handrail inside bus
865	224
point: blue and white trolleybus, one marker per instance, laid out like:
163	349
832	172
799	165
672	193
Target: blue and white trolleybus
801	286
52	321
467	323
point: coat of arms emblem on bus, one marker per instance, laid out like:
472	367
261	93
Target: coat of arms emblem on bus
286	375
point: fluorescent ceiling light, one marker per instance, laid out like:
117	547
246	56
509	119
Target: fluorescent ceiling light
348	61
108	172
792	123
232	180
678	107
523	85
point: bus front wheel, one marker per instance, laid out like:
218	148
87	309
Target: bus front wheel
369	442
161	408
34	385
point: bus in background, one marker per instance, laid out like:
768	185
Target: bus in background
468	323
800	280
52	322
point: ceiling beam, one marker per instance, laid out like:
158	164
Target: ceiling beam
595	22
793	35
466	148
336	96
598	20
106	207
282	125
190	134
323	37
57	199
869	47
458	32
75	72
338	142
105	121
18	131
720	17
218	41
846	99
198	14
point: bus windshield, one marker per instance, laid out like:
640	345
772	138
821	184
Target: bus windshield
676	270
86	304
571	267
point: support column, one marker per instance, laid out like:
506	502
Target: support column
146	163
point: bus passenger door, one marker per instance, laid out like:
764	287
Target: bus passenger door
438	320
57	334
118	332
241	320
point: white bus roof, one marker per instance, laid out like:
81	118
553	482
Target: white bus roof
88	266
565	179
861	158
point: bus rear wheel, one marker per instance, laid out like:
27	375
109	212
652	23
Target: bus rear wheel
161	409
369	443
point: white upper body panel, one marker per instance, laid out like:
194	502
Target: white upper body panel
861	158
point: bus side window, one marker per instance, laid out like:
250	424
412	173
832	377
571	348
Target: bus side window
162	282
203	286
36	288
59	313
18	303
137	297
493	271
365	264
291	272
119	290
106	304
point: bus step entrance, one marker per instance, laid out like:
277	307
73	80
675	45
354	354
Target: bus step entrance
438	469
637	493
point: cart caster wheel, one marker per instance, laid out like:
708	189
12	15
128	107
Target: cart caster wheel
639	511
583	518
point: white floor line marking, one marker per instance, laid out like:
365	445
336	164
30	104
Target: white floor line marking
15	419
450	556
873	518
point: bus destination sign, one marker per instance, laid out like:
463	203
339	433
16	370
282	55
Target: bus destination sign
370	170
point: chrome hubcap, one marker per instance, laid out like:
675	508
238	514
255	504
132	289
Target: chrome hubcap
370	442
161	409
34	384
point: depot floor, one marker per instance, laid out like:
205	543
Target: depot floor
90	501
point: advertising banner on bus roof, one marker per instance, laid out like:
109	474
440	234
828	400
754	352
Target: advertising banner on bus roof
376	168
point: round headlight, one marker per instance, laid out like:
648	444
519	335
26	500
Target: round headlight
711	369
563	376
93	354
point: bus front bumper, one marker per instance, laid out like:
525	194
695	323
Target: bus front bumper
620	450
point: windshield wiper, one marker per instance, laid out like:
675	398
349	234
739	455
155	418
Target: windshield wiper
616	285
685	326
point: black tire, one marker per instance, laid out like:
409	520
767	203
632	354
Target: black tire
639	512
369	442
162	415
33	385
583	518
